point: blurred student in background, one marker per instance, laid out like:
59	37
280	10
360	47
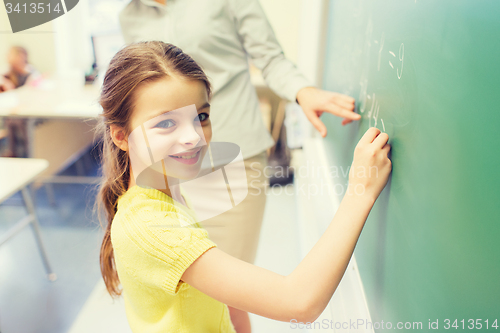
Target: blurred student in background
20	73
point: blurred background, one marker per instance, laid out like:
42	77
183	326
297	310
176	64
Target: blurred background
52	118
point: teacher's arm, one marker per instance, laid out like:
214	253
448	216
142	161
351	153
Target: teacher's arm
281	74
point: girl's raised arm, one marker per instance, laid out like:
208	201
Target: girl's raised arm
304	294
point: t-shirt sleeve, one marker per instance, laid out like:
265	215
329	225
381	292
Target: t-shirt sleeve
157	251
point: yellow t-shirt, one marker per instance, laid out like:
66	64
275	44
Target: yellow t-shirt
152	250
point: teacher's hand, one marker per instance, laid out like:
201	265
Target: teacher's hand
315	101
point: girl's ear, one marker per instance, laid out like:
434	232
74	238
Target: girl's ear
119	137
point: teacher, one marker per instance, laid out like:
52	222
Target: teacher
221	35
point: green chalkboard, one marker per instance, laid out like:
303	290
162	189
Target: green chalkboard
427	73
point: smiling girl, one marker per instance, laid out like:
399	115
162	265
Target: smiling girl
173	277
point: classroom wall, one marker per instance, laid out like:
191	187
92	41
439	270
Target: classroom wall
72	44
61	45
284	16
313	15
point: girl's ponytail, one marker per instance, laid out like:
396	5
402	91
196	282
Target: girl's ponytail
116	175
133	65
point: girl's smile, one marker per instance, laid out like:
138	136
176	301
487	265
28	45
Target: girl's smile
190	157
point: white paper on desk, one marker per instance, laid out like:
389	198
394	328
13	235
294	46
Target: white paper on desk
74	107
46	84
8	99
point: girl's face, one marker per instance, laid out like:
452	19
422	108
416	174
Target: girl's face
170	127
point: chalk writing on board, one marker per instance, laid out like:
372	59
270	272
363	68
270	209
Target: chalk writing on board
401	57
390	63
362	95
368	32
374	112
373	107
380	51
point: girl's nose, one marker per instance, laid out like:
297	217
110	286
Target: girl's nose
189	136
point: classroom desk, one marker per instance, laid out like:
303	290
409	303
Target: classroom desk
15	175
66	105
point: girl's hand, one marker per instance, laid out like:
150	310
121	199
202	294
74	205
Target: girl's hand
293	297
315	101
371	165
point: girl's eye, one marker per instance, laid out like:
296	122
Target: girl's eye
165	124
203	116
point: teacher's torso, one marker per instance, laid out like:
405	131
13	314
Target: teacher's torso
207	31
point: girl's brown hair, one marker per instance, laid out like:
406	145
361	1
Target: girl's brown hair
135	64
